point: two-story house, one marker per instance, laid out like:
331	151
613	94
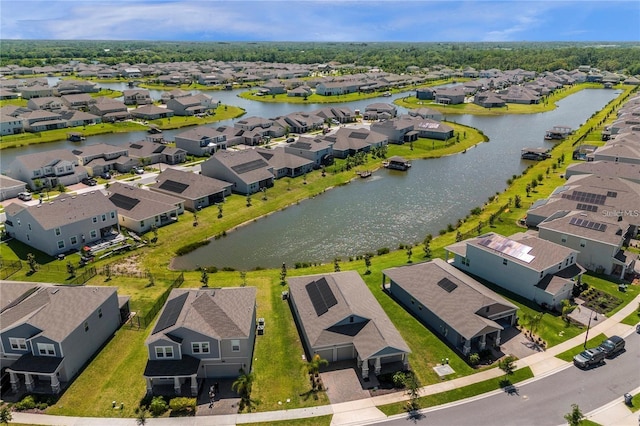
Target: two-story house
539	270
102	157
201	333
201	140
48	332
65	224
137	97
317	150
47	169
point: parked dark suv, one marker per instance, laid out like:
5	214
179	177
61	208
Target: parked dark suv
612	346
589	358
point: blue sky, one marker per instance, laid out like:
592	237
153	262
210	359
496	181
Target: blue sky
321	20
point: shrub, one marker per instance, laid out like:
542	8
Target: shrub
399	379
474	358
183	405
383	250
27	403
158	406
191	247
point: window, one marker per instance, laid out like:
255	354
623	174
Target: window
73	240
563	238
141	223
18	344
99	312
164	352
46	349
235	345
29	226
200	347
60	244
104	217
93	233
113	215
583	243
95	219
57	231
504	261
86	326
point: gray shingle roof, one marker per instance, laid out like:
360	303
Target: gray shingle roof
466	308
198	186
376	333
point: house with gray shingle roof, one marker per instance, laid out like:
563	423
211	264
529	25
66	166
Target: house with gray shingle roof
339	319
208	333
247	170
196	190
285	164
67	223
47	169
201	140
139	210
349	141
536	269
10	188
50	332
462	311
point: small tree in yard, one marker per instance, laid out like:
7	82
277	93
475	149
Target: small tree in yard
413	390
71	270
31	260
508	365
518	202
283	274
204	277
575	416
367	263
409	253
336	265
5	415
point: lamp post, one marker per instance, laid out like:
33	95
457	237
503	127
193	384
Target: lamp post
586	335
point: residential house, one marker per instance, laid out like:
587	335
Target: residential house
465	313
317	150
349	141
10	188
48	103
285	164
334	88
519	95
398	130
47	169
340	114
41	120
139	210
36	91
49	332
379	111
80	101
77	118
186	106
247	170
196	190
151	112
10	125
339	319
626	171
599	239
536	269
100	158
263	126
450	95
72	87
432	129
273	87
110	110
201	334
149	152
137	97
67	223
426	93
300	122
488	100
427	113
201	141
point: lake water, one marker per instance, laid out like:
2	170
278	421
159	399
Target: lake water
393	207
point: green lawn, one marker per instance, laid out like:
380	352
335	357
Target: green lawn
458	393
591	343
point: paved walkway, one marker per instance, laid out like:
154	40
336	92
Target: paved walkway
365	411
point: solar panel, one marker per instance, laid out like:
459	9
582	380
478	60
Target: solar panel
586	197
587	207
248	167
316	300
326	293
358	135
135	146
173	186
124	202
584	223
612	194
447	285
171	313
509	247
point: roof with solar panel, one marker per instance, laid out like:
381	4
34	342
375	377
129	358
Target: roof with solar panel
590	226
188	185
139	204
325	305
247	165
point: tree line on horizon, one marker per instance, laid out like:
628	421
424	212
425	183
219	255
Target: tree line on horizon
389	56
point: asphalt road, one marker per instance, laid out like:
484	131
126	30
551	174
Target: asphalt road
547	400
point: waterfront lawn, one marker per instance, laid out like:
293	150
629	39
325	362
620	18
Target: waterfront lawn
591	343
222	112
458	393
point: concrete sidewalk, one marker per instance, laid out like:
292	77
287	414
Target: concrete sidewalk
365	411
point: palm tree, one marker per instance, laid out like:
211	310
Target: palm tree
575	417
242	385
567	308
313	366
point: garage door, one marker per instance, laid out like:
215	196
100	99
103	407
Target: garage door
222	370
345	353
326	354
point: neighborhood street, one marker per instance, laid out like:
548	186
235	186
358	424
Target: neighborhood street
547	400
